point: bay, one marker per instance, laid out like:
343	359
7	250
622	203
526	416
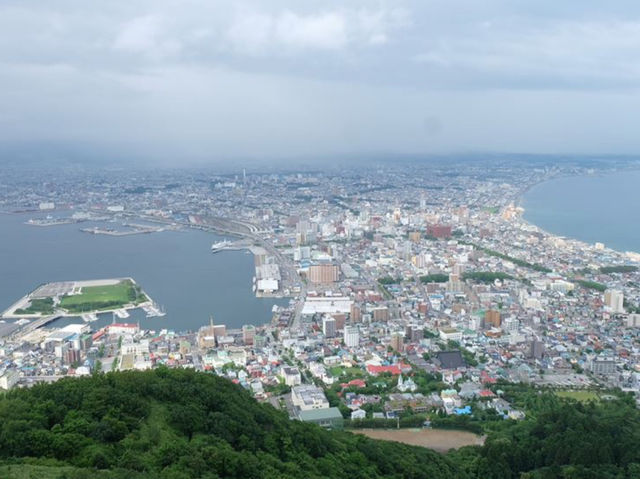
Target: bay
596	208
176	268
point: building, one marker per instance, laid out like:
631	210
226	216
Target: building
330	418
603	366
323	273
536	349
455	285
351	336
439	231
123	328
633	320
450	359
9	379
326	304
492	318
248	333
291	376
207	336
614	300
355	313
450	334
397	342
307	397
329	326
381	314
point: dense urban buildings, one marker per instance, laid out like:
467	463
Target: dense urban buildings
429	285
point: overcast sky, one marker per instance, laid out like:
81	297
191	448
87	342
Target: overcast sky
214	79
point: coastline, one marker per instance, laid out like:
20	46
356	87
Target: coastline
520	198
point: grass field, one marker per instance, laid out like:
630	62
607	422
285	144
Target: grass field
95	298
582	396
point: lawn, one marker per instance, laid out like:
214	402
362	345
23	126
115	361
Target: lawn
582	396
95	298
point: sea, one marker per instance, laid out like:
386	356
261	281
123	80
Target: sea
175	268
601	208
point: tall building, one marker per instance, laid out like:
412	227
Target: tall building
614	299
492	318
329	326
355	314
248	333
323	273
341	319
381	314
397	342
351	336
454	285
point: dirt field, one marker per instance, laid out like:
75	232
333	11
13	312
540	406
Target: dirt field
440	440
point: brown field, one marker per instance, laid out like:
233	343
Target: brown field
440	440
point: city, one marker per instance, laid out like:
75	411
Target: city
411	291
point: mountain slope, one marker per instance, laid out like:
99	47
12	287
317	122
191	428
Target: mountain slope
183	424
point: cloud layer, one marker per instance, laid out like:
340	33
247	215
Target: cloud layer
201	79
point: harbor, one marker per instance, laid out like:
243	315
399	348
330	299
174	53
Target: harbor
130	229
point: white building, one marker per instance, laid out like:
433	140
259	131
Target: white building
351	336
308	397
614	300
450	334
291	376
9	379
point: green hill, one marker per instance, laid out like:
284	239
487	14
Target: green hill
183	424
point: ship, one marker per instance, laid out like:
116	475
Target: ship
153	310
221	245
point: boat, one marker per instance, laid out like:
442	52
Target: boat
89	317
220	246
153	310
122	313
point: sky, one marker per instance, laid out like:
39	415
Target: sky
199	80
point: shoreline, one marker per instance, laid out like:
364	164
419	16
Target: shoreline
519	202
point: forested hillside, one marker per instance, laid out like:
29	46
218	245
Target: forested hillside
182	424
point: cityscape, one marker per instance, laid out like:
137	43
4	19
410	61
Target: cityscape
426	275
319	240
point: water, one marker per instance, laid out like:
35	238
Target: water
176	269
591	208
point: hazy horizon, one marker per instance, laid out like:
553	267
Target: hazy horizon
197	82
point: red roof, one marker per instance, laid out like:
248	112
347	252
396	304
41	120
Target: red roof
358	383
123	325
395	369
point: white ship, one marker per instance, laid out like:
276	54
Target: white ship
153	310
122	313
89	317
221	245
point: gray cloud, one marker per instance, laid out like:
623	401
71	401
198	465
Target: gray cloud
223	79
